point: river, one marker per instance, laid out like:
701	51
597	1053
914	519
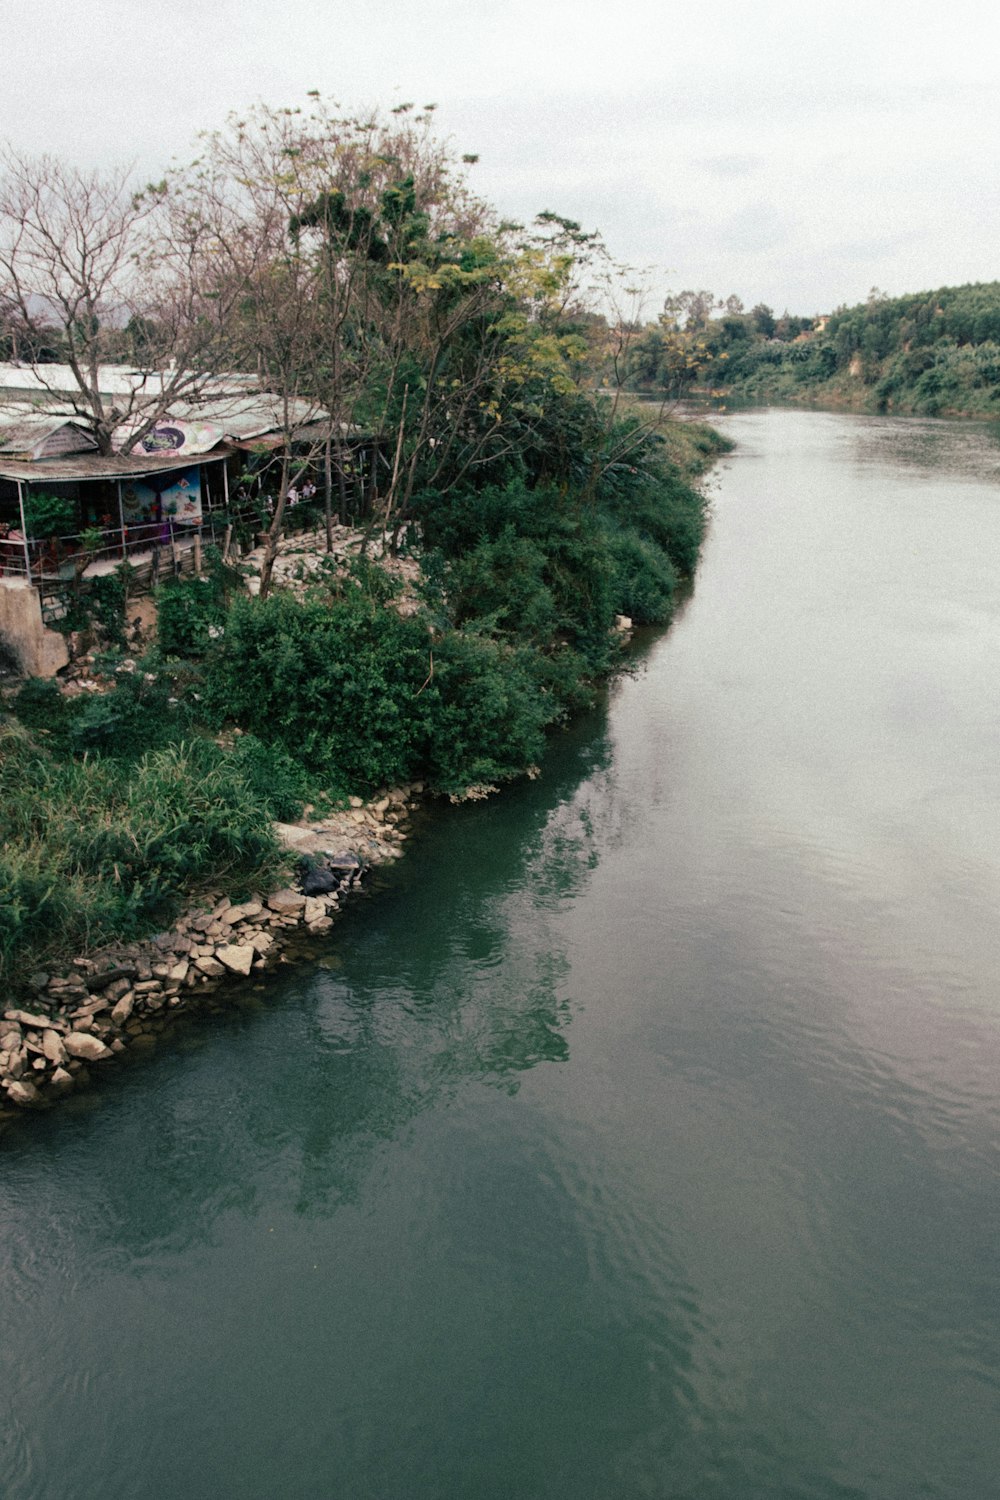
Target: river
639	1138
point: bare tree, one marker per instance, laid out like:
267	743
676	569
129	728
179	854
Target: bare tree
92	269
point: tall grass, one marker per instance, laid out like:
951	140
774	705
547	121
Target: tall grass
94	849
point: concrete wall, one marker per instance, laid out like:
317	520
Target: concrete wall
39	652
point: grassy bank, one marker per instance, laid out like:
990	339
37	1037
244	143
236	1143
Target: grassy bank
119	803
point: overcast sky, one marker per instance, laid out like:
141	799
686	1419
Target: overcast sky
792	153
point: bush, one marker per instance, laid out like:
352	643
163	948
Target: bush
191	611
335	684
49	515
485	716
645	580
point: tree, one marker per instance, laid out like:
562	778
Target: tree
90	266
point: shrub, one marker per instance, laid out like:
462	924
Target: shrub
335	684
645	580
192	611
49	515
485	716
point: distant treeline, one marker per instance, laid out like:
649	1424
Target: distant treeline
930	352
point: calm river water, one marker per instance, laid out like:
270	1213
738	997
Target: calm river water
641	1138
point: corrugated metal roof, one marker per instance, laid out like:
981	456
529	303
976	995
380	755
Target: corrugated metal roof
24	430
98	466
112	380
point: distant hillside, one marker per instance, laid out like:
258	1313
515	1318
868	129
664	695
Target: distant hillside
936	353
932	352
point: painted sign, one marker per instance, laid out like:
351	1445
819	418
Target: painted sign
163	497
169	436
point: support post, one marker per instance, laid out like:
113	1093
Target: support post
24	530
121	522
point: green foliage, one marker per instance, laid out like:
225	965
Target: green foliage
278	782
133	717
49	515
191	611
930	352
333	684
484	717
94	849
646	582
104	603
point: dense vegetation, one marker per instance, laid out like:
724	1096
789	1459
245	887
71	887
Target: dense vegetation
935	353
538	514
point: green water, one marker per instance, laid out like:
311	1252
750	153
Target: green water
639	1137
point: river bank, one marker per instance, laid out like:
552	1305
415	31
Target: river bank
159	791
95	1006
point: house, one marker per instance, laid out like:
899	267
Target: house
207	469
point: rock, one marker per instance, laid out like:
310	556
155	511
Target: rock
39	981
286	902
179	972
355	802
123	1009
317	880
83	1045
40	1023
92	1007
148	987
16	1063
261	942
60	1083
210	967
314	910
100	981
25	1094
236	956
321	924
53	1047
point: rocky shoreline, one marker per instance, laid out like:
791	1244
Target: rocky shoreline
90	1011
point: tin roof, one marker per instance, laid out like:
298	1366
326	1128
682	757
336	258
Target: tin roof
27	432
99	466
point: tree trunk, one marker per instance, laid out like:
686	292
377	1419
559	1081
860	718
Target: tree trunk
275	530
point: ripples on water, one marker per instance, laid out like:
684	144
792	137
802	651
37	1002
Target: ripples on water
640	1137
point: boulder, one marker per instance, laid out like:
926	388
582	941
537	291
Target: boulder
85	1045
317	880
236	956
40	1023
23	1093
53	1047
209	966
314	910
98	982
61	1082
286	902
123	1009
